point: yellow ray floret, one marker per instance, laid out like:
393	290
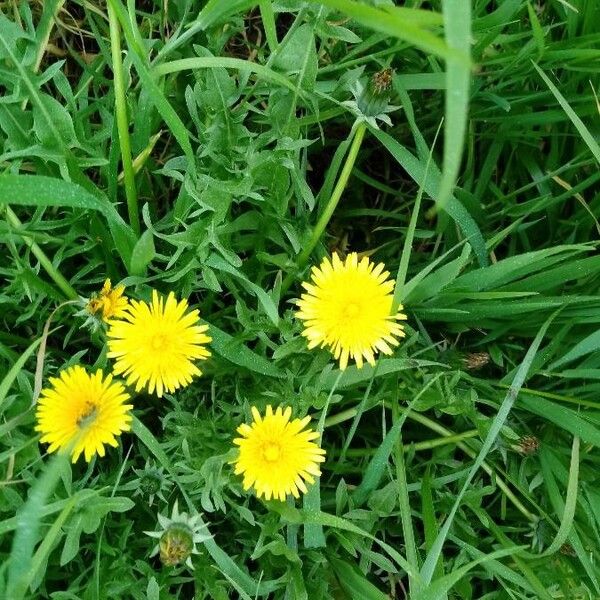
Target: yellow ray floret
83	411
347	308
155	344
110	302
277	455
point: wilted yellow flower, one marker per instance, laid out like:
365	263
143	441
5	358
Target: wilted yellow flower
155	344
110	302
82	409
276	456
347	309
178	536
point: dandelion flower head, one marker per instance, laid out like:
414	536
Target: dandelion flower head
347	308
109	302
277	455
85	410
155	344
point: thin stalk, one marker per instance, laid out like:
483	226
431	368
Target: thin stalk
416	446
360	409
325	217
313	532
410	234
323	417
404	504
559	397
122	121
65	287
340	186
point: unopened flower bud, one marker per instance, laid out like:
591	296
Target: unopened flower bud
376	95
476	360
176	545
529	444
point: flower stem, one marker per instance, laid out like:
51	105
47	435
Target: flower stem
416	446
340	186
313	532
122	122
404	505
65	287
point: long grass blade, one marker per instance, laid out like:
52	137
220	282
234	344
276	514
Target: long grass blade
499	420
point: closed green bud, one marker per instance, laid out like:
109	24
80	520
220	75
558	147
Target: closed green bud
376	95
176	545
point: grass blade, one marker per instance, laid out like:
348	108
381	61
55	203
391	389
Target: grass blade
167	112
123	121
9	378
397	22
436	550
431	184
585	133
457	29
570	502
38	190
399	289
220	62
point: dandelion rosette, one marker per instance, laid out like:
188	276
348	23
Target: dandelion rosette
277	455
347	308
82	411
155	344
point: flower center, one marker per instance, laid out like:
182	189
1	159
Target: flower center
352	310
272	452
88	415
158	342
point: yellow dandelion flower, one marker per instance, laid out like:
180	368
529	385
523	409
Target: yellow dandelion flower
85	410
347	309
156	343
110	302
276	456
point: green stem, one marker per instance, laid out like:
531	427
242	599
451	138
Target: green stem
340	186
551	396
416	446
325	217
122	121
65	287
410	234
360	410
313	532
404	504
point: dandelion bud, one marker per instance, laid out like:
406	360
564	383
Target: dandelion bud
476	360
376	95
381	82
151	482
176	545
529	445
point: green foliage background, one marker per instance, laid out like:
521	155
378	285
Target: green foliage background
201	164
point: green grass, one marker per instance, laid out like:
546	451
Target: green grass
218	150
